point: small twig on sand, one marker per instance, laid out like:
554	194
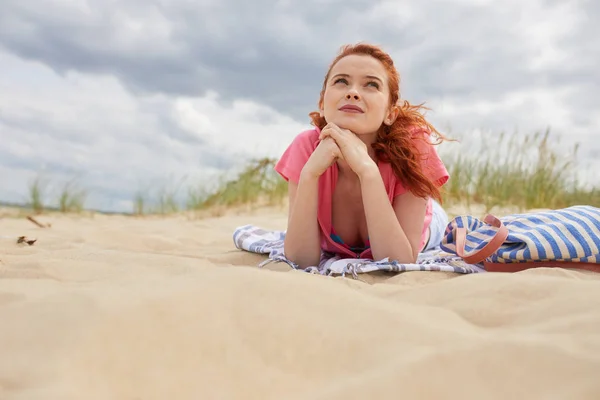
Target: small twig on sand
29	217
24	239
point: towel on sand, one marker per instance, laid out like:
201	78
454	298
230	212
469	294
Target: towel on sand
257	240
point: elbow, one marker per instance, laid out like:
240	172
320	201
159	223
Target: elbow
301	257
301	262
400	258
410	258
405	259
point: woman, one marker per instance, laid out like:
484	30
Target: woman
362	182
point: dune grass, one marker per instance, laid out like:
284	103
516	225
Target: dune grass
71	196
37	194
257	183
517	172
164	200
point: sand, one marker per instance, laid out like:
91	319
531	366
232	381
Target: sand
116	307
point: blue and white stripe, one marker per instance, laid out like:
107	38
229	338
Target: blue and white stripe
569	234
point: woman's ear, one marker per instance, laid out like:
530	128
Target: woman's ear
391	116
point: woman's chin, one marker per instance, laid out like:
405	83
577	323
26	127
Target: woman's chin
357	129
350	125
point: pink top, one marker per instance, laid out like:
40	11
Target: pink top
297	154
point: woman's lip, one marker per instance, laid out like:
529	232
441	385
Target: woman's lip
351	108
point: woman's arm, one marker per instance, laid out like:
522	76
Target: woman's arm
394	230
302	243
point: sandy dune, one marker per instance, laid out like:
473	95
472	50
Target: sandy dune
113	307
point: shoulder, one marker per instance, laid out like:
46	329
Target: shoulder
431	163
303	144
294	157
420	135
308	138
424	144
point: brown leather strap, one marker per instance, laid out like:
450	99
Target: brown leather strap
488	249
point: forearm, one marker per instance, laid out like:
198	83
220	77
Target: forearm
302	244
386	235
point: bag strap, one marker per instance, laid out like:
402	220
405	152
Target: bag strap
487	250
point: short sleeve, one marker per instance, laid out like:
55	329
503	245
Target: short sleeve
296	155
432	164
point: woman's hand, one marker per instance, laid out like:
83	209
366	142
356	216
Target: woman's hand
354	151
326	153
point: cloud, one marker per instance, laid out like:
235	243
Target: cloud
276	53
118	143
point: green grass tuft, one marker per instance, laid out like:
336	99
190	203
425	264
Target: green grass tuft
257	183
525	172
37	193
71	198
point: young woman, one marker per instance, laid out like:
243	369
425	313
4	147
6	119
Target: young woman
362	182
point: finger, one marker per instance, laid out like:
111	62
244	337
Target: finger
330	142
328	135
332	131
324	134
342	131
337	153
326	131
333	125
341	134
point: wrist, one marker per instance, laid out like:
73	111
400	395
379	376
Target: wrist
368	171
308	176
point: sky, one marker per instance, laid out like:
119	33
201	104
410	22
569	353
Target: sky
137	95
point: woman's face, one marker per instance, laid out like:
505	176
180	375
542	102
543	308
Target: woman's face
357	95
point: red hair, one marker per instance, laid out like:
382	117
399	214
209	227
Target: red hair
395	144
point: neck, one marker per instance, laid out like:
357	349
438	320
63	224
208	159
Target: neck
369	140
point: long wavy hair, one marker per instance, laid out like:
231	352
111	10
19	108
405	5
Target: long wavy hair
395	144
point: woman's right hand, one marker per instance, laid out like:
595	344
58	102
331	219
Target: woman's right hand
326	153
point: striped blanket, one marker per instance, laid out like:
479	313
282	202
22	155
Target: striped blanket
257	240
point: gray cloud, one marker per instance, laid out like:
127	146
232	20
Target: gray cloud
187	51
277	54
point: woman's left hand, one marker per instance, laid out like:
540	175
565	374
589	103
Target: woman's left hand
353	149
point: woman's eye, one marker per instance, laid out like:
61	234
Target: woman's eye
343	80
375	84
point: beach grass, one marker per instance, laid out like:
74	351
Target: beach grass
524	172
71	198
37	194
517	172
257	183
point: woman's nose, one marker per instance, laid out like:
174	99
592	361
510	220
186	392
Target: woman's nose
352	95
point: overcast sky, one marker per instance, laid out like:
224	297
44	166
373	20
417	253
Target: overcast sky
137	93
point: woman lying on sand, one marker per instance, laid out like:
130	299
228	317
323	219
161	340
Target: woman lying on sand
362	183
